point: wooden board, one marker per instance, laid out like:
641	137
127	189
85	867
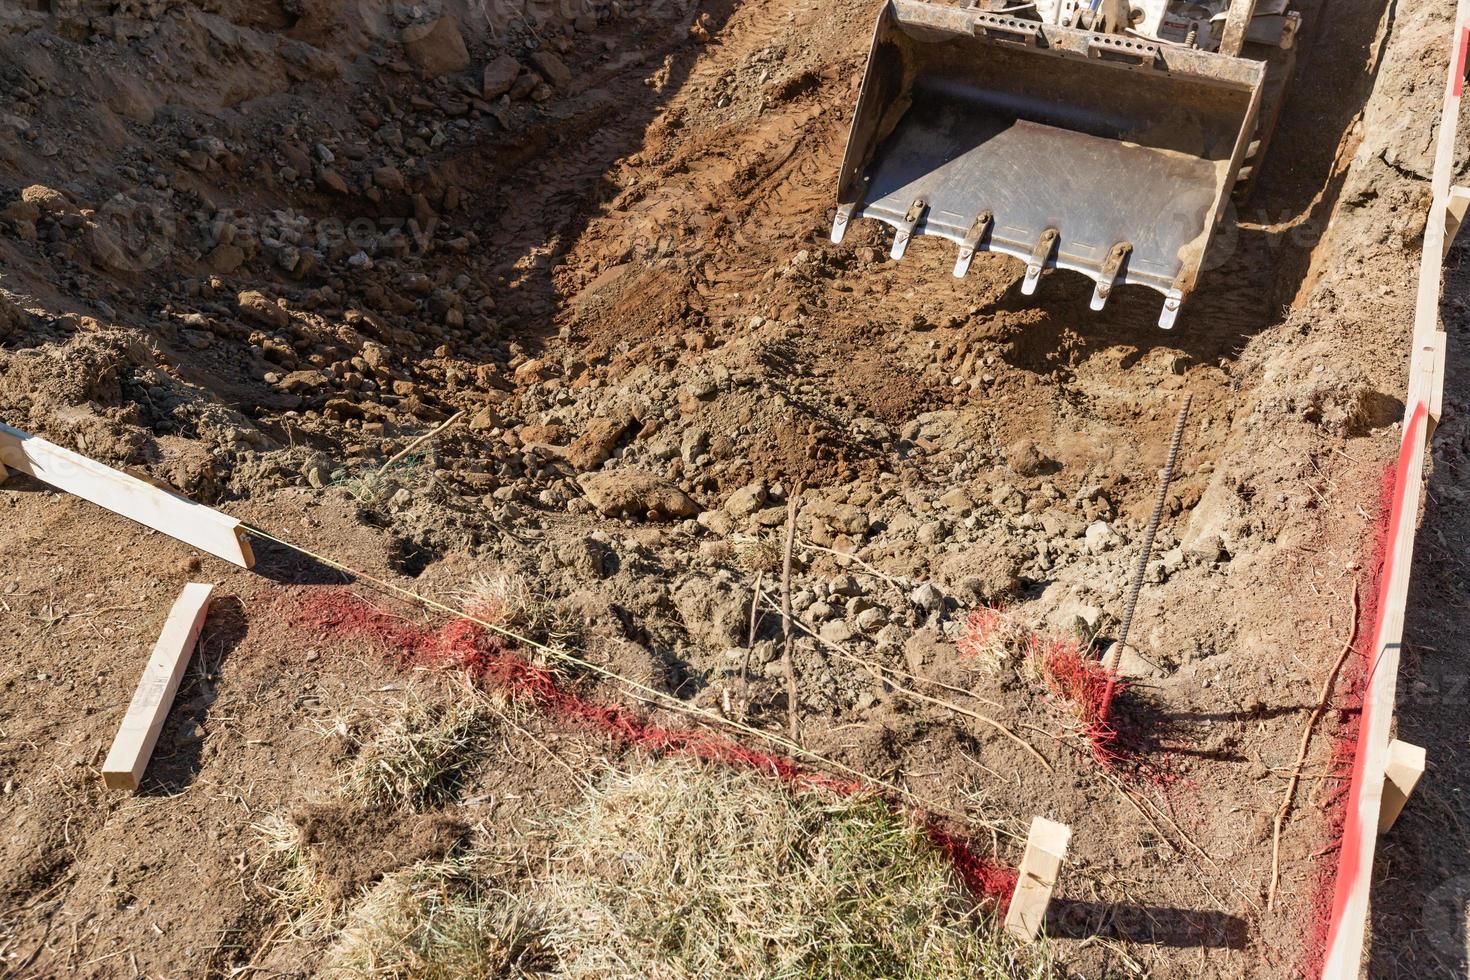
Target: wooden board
1348	925
1046	848
138	733
206	529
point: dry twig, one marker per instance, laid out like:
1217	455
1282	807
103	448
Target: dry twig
419	442
1301	756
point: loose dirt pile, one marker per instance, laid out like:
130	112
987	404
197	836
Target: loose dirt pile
255	250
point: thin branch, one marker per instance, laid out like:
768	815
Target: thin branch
1301	756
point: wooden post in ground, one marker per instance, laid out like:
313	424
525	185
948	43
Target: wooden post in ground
1454	215
138	733
1400	776
1046	848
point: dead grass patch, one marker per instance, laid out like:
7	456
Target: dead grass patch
678	871
418	758
443	921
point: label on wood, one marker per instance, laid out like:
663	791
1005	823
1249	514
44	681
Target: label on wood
139	731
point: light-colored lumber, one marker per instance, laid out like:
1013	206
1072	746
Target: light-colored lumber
1046	848
138	733
1348	922
206	529
1454	215
1405	766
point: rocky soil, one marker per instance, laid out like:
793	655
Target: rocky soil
256	251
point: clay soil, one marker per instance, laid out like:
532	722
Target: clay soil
252	251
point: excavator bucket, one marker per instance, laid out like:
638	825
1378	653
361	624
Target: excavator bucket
1106	154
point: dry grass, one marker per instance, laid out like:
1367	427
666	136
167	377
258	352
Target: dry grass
417	760
510	601
994	639
680	872
296	887
442	921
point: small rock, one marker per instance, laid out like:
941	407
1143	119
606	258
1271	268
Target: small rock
957	500
255	305
499	76
1025	459
836	631
595	446
390	179
553	69
748	499
871	620
845	585
1100	537
927	597
225	259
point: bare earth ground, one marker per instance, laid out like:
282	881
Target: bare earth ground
280	244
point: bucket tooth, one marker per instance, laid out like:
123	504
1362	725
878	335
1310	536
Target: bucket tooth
1108	275
1041	255
840	223
1173	299
911	220
971	244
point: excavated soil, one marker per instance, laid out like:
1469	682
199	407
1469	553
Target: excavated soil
254	251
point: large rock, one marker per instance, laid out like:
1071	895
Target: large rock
593	447
499	76
631	493
436	48
255	305
553	69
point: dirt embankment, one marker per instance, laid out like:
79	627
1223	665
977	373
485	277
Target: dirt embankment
255	250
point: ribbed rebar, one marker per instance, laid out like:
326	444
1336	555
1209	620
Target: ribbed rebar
1131	603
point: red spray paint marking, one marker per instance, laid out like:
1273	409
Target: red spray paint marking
1069	672
1345	740
466	645
1459	85
1350	857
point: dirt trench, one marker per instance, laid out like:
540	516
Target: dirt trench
616	269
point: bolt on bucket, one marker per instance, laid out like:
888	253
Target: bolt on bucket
1106	154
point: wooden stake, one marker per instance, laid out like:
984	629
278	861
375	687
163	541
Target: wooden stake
1046	848
1348	924
138	733
792	723
178	517
1400	776
1454	215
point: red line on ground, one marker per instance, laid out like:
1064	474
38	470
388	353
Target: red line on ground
1349	856
464	645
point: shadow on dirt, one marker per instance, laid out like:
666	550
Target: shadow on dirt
1145	924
